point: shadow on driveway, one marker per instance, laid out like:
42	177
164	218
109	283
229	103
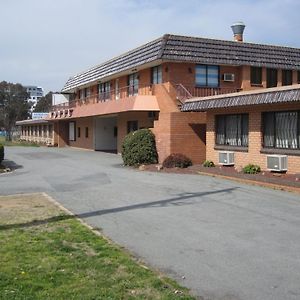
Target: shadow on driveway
180	200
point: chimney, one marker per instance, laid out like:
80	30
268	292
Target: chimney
238	29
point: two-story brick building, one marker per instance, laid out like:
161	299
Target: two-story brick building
160	85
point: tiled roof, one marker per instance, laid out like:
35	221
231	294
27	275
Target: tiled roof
289	94
192	49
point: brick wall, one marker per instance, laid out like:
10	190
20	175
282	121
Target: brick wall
82	141
179	132
254	154
143	122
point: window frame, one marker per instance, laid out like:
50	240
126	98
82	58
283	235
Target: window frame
156	75
263	121
255	75
207	67
286	77
104	90
244	117
133	81
130	126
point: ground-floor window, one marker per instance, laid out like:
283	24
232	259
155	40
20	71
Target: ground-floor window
132	126
232	130
281	129
86	132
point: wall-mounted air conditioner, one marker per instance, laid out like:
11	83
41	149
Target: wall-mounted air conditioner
277	163
228	77
226	158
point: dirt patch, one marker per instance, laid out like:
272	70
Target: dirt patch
26	208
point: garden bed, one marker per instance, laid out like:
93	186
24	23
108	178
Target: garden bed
275	178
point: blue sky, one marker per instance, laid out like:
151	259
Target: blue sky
44	42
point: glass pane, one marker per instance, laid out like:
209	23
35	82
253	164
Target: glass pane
268	119
212	76
231	130
286	130
220	137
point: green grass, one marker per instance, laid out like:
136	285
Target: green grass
60	258
17	143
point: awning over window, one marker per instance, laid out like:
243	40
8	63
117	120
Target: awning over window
249	98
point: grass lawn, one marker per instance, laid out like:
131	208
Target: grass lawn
17	143
47	254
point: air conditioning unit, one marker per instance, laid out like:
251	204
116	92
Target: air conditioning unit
226	158
277	163
228	77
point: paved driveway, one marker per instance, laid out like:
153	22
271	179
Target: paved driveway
222	239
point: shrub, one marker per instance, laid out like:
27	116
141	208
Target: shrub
251	169
177	160
208	164
139	148
1	153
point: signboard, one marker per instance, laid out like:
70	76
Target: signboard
39	115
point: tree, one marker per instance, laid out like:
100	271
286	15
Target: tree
13	105
44	104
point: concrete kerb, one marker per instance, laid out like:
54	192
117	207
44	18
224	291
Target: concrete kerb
254	182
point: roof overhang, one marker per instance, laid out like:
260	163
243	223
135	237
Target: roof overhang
287	94
32	122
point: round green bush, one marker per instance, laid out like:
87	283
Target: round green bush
208	164
1	153
177	160
139	148
251	169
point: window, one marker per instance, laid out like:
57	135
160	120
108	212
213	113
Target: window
87	92
132	126
133	84
298	76
271	78
82	94
104	91
156	75
117	90
72	133
232	130
256	75
207	75
281	130
78	132
287	77
86	132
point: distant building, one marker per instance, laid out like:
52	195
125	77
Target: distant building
36	93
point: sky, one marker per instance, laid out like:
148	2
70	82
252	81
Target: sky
44	42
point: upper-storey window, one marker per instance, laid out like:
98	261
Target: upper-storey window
287	77
82	94
156	75
271	78
281	129
232	130
104	90
256	75
133	84
207	75
87	92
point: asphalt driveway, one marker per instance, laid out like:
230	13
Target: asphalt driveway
222	239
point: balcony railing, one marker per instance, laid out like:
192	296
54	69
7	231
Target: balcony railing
112	95
184	92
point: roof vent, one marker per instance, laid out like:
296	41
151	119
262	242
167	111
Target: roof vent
238	30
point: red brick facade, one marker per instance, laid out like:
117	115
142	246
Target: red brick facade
255	153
